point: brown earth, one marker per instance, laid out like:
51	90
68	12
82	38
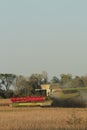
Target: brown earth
5	102
43	118
37	118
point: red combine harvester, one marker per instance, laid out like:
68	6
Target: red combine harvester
30	101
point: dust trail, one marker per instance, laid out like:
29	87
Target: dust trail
83	95
77	101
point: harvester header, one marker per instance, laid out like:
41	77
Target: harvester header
28	99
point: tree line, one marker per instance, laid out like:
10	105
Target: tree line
14	85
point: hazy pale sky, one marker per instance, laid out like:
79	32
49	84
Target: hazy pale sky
37	35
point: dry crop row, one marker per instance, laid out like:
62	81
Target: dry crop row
42	118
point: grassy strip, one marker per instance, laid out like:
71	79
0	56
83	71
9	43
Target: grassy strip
80	88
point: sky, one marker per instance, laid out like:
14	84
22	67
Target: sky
43	35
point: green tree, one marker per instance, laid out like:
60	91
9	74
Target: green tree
65	79
23	87
35	80
84	79
77	82
55	79
44	77
6	81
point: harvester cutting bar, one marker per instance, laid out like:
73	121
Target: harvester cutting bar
28	99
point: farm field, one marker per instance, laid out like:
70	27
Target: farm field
37	118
